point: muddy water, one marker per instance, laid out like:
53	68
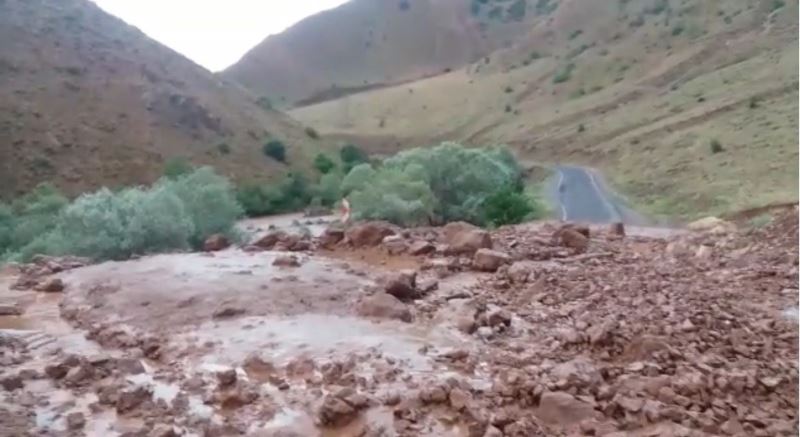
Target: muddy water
290	223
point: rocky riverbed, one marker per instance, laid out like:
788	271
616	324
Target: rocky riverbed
531	330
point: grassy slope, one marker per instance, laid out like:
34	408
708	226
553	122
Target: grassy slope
650	99
86	101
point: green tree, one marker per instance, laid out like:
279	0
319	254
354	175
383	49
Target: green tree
177	167
351	156
276	150
323	163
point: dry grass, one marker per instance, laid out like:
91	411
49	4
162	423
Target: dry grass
649	101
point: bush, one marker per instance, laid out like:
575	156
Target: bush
323	163
290	194
395	195
564	73
716	146
312	133
517	10
264	103
460	178
177	167
678	29
224	148
328	191
172	214
36	214
351	156
508	206
275	150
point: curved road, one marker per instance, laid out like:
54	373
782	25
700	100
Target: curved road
581	197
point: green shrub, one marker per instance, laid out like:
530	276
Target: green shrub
517	10
358	178
509	90
172	214
460	178
36	213
716	146
678	29
395	195
564	73
258	199
328	190
575	34
581	128
753	103
323	163
177	167
264	103
312	133
508	206
276	150
351	156
777	4
224	148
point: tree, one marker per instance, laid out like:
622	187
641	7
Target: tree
323	163
275	150
351	155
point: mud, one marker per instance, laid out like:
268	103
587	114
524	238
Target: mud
642	334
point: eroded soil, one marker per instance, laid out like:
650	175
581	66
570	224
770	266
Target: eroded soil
378	331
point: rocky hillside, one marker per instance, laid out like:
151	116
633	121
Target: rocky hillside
689	107
86	100
369	43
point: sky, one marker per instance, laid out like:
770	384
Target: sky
213	33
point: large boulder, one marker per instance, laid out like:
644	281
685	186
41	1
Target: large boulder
421	248
368	234
331	237
269	240
488	260
402	285
465	239
572	238
563	409
383	306
215	243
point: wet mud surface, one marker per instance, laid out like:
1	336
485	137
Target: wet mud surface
533	330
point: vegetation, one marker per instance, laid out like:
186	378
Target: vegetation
440	184
323	163
276	150
351	156
564	73
177	167
517	10
312	133
264	103
716	146
224	148
174	213
290	194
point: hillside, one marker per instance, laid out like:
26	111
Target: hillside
689	107
368	43
86	100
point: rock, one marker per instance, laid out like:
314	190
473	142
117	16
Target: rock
488	260
498	317
286	261
368	234
164	430
600	334
58	371
226	378
226	312
336	412
80	374
563	409
130	366
629	404
10	310
215	242
237	397
712	225
433	395
130	399
11	382
616	229
704	252
579	373
331	237
52	285
419	248
459	399
269	240
520	272
465	239
402	285
75	421
395	244
384	306
571	238
492	431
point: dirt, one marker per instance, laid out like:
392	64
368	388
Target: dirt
629	335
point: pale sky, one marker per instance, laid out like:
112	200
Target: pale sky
213	33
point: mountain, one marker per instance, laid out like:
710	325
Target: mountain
688	106
87	100
370	43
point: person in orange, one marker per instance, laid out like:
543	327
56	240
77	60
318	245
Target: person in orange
345	211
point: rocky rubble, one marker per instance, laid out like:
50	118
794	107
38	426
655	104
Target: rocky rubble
549	330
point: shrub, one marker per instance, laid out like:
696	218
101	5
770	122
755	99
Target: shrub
36	213
258	199
351	156
678	29
328	191
508	108
264	103
581	128
395	195
509	90
753	103
777	4
224	148
312	133
358	178
508	206
517	10
575	34
275	150
177	167
716	146
172	214
323	163
564	73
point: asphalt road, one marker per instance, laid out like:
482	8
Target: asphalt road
581	197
